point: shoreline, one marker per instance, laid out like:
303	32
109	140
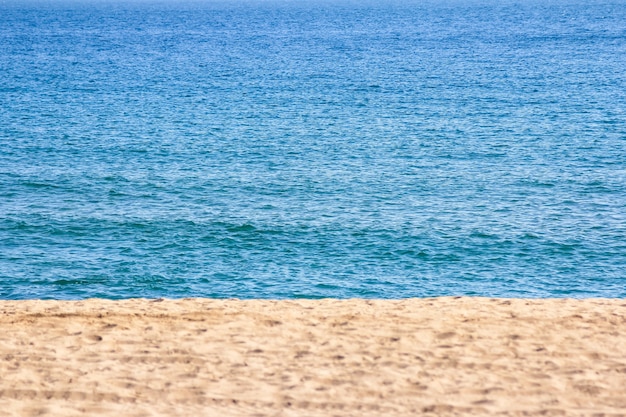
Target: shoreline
428	356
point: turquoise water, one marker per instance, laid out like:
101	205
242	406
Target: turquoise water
266	149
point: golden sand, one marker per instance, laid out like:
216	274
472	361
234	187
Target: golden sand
199	357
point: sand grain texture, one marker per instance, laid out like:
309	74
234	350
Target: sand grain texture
441	356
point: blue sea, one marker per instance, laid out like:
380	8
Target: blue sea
308	149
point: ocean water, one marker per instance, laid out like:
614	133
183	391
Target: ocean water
286	149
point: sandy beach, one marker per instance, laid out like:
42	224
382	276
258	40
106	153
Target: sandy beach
198	357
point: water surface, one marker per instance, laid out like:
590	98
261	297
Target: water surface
312	149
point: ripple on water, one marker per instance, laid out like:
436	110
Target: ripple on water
308	151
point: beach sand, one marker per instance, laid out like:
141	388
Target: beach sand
198	357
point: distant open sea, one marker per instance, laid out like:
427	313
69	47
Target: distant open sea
289	149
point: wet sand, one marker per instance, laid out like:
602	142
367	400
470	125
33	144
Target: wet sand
199	357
